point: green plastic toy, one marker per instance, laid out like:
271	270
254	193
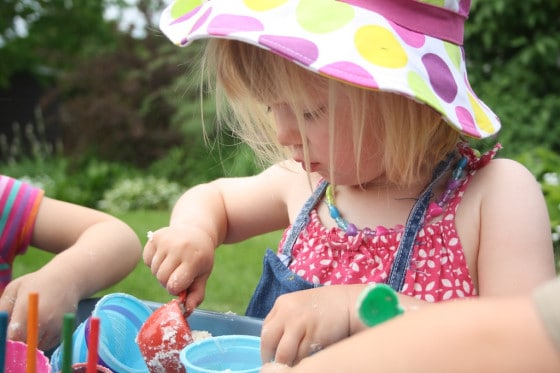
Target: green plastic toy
378	303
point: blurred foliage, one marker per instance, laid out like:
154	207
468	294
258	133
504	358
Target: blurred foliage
141	193
545	165
47	35
115	105
513	55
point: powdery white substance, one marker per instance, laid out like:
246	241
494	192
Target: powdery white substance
169	334
199	335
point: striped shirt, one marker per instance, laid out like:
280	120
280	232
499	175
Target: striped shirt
19	204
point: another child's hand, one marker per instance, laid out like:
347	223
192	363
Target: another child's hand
304	322
56	298
181	259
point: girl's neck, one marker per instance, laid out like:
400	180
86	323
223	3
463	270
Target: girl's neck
383	186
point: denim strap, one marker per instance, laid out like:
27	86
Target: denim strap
301	221
413	224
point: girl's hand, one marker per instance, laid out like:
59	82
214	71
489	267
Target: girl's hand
181	259
304	322
55	300
275	368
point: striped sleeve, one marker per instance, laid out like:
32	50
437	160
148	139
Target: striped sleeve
19	205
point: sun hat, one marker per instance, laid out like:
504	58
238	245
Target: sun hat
409	47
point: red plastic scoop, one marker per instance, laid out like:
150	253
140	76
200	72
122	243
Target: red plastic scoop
163	335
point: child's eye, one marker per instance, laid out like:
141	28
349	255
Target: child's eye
314	114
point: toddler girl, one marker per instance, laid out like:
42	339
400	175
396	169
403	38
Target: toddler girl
362	108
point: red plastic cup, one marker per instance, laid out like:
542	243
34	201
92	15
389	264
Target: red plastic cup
163	335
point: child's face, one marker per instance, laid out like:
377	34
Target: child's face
315	134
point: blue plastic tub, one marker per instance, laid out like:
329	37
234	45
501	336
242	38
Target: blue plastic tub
123	343
217	323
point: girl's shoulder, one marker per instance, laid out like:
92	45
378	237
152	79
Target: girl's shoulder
501	175
505	170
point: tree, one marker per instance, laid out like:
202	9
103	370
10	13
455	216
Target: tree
513	51
41	36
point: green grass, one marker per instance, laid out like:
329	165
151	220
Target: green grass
237	268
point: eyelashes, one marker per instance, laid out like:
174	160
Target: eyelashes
315	114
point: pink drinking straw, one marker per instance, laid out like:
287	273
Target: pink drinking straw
32	331
93	343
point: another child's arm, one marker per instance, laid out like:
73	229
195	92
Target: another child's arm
226	210
477	335
93	251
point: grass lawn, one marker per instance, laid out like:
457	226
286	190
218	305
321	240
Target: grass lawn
237	268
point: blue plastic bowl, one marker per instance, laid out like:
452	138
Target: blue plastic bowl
231	353
121	316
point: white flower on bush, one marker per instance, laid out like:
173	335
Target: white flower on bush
556	233
551	178
43	182
148	193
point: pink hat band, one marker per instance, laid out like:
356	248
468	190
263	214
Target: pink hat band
420	17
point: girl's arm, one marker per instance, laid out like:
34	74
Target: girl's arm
515	251
226	210
234	209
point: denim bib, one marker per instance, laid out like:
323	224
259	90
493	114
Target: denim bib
278	279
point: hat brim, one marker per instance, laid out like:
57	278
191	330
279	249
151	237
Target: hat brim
344	42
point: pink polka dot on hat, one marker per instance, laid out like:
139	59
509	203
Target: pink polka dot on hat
409	47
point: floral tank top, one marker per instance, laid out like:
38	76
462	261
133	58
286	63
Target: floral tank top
437	271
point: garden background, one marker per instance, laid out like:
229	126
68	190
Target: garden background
107	114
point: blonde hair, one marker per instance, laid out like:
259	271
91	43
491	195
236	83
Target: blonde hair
414	136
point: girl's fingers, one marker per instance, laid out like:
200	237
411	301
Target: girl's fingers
288	347
270	337
148	253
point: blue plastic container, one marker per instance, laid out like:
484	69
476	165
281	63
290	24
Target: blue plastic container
121	317
231	353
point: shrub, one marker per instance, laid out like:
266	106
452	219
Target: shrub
141	193
544	164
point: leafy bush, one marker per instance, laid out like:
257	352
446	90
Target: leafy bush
141	193
513	51
545	165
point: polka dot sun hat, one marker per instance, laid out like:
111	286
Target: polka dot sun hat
409	47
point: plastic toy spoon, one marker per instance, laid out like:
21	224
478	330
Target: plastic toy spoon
163	335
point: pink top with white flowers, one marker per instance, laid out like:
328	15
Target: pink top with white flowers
438	270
